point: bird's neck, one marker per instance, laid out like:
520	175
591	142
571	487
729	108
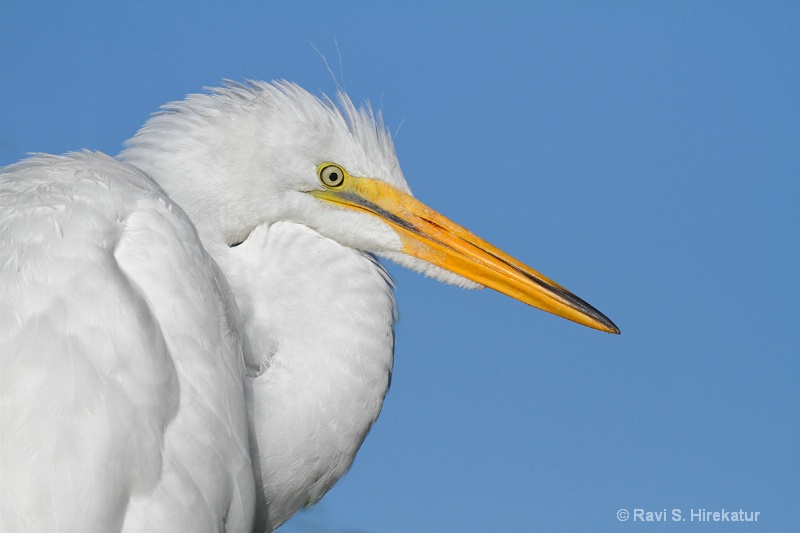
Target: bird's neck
318	326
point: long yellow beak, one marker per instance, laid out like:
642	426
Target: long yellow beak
429	236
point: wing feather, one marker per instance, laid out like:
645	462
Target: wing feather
121	400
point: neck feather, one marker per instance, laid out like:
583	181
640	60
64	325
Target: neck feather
318	320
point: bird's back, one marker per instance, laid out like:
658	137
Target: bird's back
121	403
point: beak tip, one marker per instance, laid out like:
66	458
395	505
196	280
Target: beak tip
606	324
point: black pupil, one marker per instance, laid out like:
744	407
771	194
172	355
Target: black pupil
333	177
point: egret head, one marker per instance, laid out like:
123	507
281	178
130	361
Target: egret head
247	155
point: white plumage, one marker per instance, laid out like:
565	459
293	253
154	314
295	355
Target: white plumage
196	336
112	359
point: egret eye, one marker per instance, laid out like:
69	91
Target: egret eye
332	176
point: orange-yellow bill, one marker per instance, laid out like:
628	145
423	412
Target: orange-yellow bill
427	235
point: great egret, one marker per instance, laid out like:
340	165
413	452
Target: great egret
196	336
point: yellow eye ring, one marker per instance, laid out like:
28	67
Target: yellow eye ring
332	176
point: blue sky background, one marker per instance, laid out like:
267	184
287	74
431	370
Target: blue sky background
644	154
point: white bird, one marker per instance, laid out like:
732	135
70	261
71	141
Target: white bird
196	336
